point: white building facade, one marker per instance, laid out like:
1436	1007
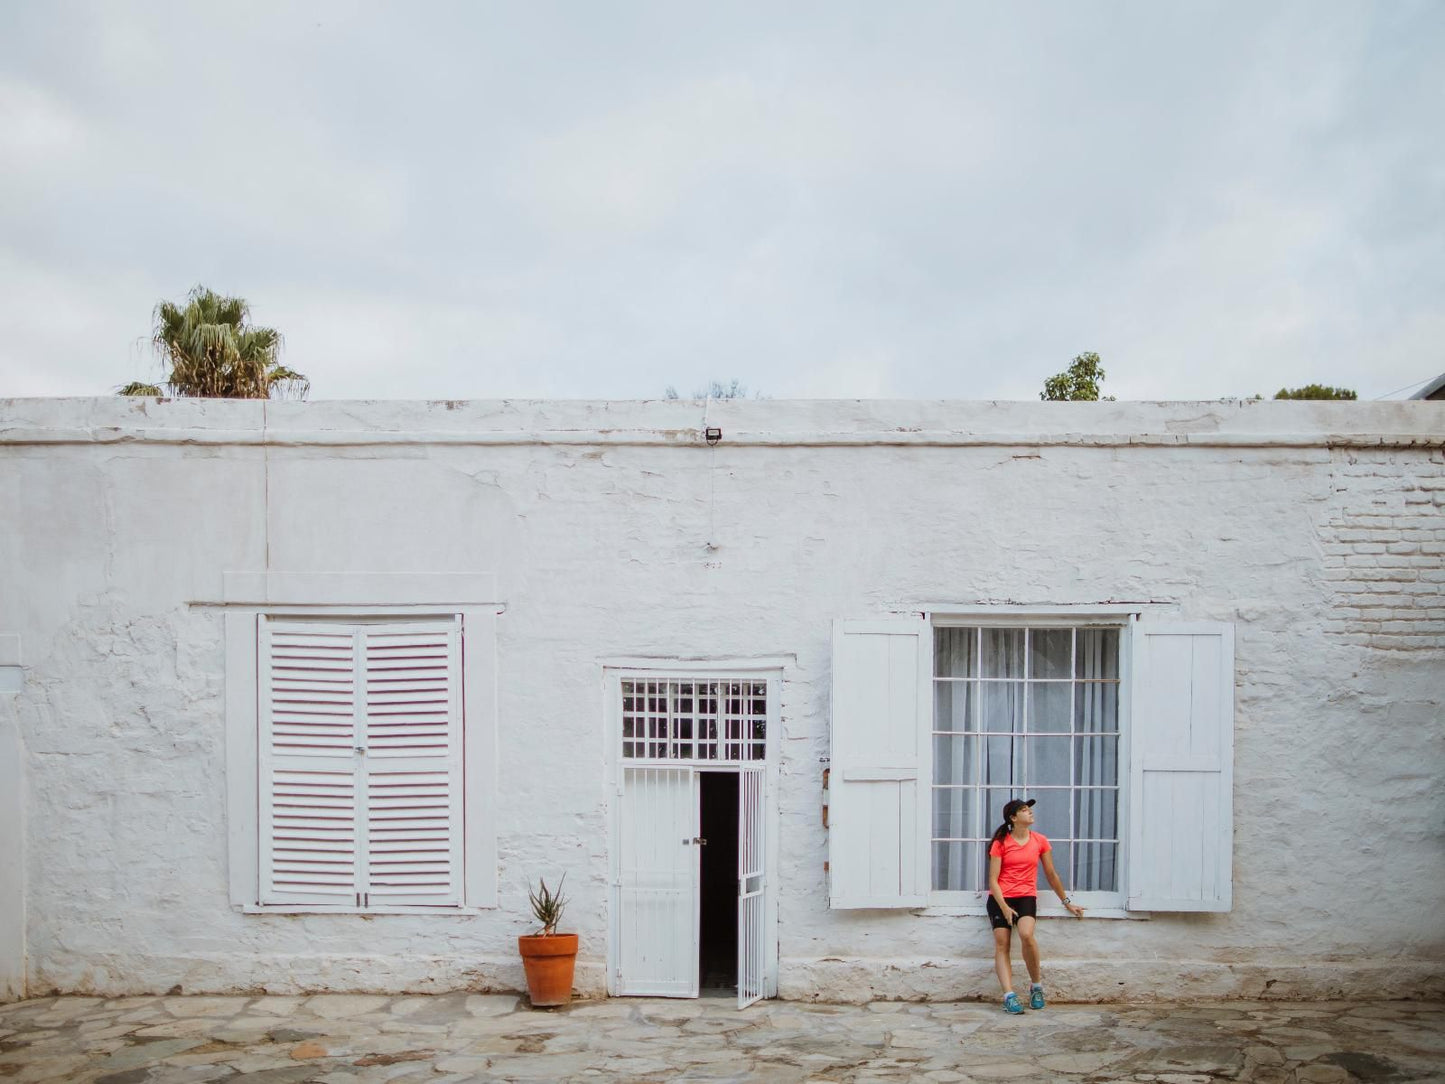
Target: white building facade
302	697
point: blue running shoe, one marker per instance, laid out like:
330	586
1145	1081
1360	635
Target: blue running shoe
1012	1004
1036	998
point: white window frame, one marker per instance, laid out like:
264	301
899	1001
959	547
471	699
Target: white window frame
766	679
1097	904
470	597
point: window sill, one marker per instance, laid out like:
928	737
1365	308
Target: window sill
979	911
452	912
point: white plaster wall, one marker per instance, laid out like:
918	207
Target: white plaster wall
614	531
12	826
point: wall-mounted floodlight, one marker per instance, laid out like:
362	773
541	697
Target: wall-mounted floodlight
713	434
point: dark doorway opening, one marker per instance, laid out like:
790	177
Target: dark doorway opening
718	895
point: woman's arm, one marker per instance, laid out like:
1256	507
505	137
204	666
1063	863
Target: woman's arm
995	863
1058	886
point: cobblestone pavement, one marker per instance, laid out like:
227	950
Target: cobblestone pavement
350	1039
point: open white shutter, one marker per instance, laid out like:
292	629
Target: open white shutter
878	782
1181	822
413	739
309	777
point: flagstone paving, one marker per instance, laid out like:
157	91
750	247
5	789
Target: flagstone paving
350	1039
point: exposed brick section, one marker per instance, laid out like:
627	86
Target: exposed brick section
1383	538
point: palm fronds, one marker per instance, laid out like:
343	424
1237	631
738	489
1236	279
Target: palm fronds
212	352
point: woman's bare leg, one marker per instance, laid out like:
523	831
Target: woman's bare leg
1030	946
1001	963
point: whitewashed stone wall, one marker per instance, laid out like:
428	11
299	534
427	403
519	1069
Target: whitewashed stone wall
1384	543
614	531
12	825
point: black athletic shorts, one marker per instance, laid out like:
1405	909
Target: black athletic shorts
1026	906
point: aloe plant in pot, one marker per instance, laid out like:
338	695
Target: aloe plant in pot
548	957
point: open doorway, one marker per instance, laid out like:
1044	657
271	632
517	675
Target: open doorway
692	910
718	883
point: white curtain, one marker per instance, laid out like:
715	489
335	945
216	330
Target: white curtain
1095	761
954	756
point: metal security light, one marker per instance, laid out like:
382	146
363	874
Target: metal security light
713	434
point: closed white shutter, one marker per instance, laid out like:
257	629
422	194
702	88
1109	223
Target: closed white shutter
1181	820
878	782
309	709
413	764
360	764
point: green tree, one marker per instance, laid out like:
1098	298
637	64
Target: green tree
1315	391
1079	382
211	351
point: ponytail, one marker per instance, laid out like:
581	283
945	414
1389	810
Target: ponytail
1003	830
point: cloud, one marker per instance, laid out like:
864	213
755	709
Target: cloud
930	200
36	129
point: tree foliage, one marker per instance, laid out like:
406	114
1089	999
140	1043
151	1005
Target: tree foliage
1078	383
212	351
1315	391
716	389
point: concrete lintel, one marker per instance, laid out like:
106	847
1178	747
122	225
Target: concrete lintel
359	588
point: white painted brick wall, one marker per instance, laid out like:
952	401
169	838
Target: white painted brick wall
1383	538
613	532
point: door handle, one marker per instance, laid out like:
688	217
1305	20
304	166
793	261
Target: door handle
695	839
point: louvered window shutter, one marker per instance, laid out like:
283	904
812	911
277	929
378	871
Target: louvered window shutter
1181	770
309	778
878	833
413	848
360	764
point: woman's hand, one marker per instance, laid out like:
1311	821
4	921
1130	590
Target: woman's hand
1074	909
1010	915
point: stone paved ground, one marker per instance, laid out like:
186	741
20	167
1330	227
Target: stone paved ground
351	1039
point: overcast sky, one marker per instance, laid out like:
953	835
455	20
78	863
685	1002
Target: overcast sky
918	200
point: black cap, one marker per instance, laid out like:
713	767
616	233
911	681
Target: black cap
1010	808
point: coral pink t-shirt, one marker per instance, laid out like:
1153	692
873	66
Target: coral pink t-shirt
1018	873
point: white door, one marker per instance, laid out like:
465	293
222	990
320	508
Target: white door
751	958
657	906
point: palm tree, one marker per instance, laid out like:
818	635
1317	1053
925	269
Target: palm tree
213	353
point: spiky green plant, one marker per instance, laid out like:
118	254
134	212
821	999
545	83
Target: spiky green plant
212	352
547	905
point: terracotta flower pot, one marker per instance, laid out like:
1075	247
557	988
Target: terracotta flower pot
549	962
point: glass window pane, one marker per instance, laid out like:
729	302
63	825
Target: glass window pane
1051	812
1095	867
955	653
994	800
953	813
1098	654
1001	705
1002	761
1049	708
1003	653
1096	706
951	703
1049	652
1063	852
1096	762
954	759
1096	814
956	867
1046	763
